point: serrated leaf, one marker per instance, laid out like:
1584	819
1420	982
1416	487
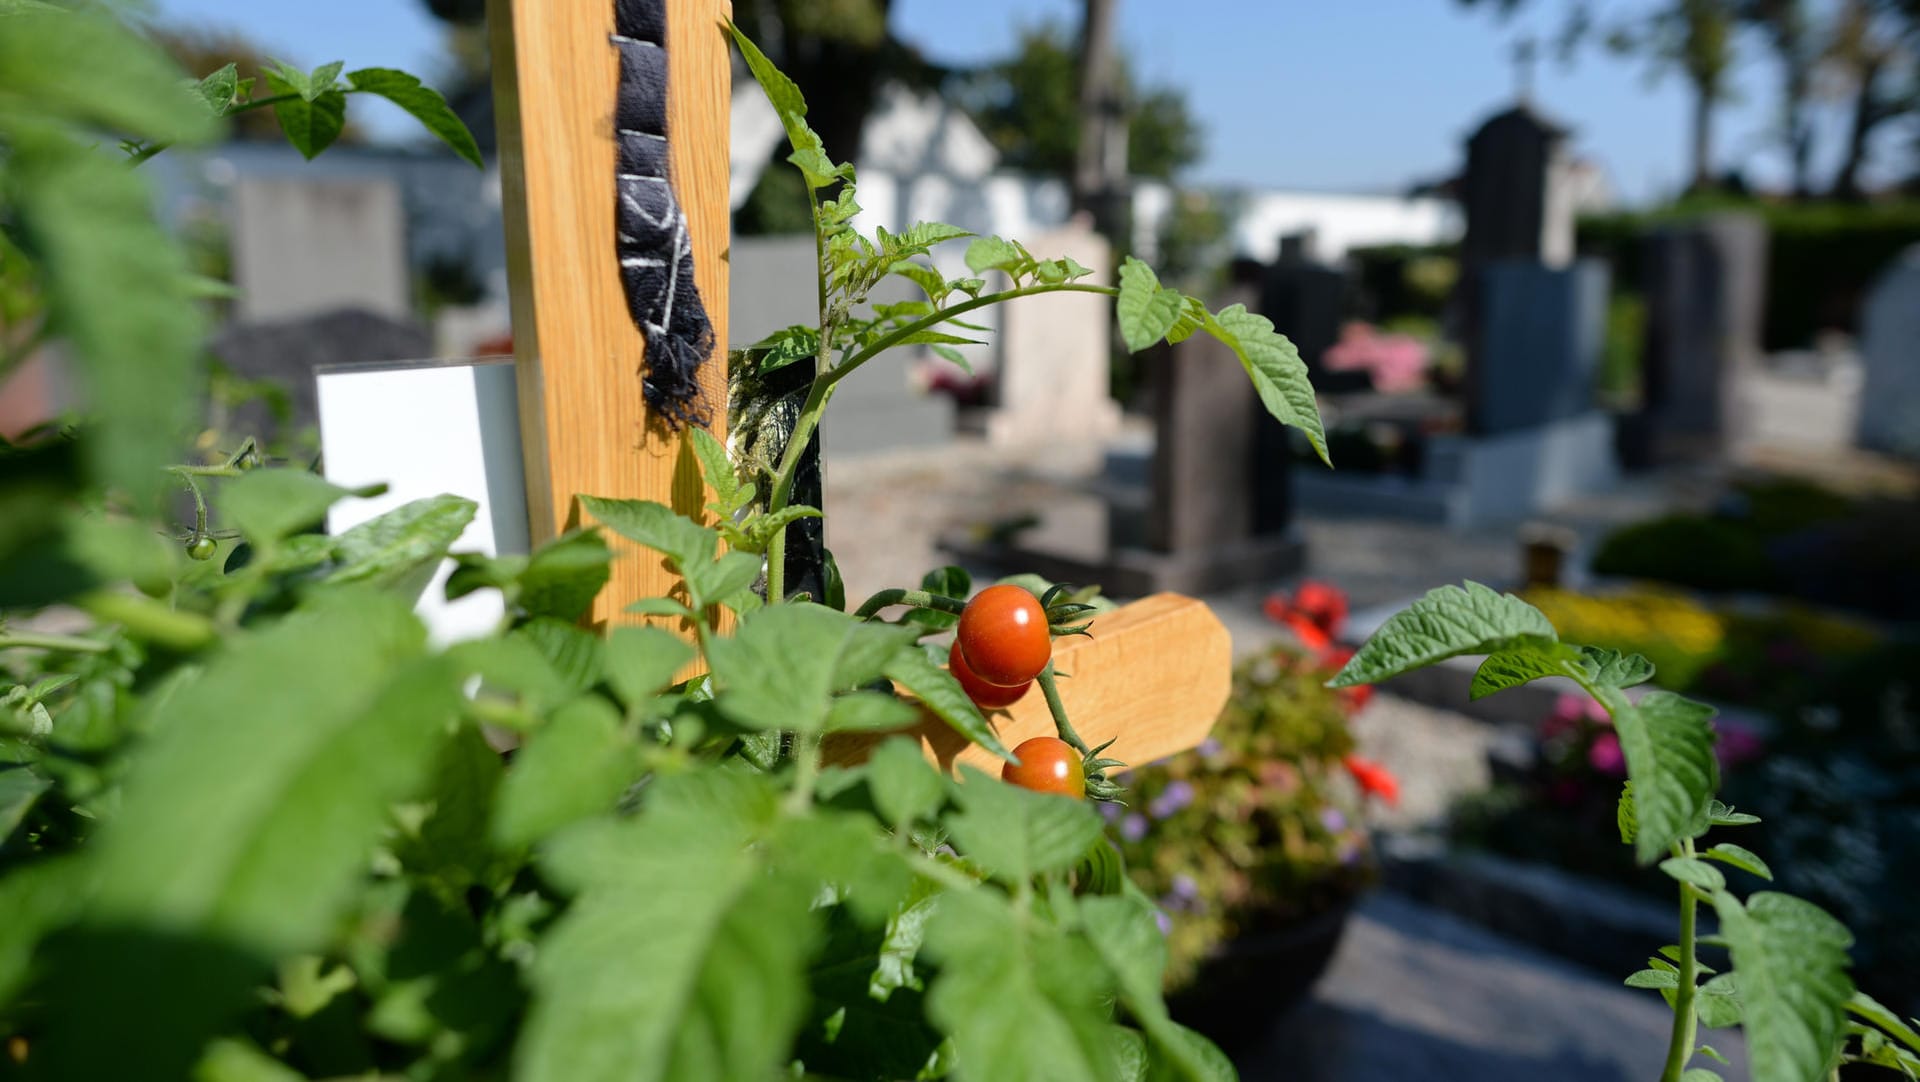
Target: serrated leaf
578	656
1696	872
19	788
935	687
1614	669
421	102
1718	1002
716	466
869	711
642	660
679	957
401	549
563	576
656	526
1274	365
1723	815
322	79
761	528
310	124
1447	622
1122	931
1016	834
219	88
1146	310
1790	958
448	847
785	97
1511	668
904	785
1874	1011
1625	817
1653	978
993	253
1741	858
1013	995
574	767
784	347
59	63
513	665
267	505
921	236
779	669
1668	743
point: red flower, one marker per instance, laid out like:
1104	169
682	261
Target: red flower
1374	779
1323	604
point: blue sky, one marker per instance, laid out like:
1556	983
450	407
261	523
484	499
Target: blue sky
1324	94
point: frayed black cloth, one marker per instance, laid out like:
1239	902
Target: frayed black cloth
655	252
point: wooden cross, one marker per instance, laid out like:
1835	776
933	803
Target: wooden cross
1154	675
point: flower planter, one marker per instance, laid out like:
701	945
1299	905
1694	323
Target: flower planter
1251	981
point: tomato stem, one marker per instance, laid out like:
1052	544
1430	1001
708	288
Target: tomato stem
919	599
1058	709
1680	1044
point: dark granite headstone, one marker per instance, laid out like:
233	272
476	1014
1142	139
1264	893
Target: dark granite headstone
1890	346
1705	287
1542	334
286	353
1307	303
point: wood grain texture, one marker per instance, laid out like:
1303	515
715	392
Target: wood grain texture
578	355
1153	678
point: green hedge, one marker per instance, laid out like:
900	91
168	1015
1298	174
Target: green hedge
1821	260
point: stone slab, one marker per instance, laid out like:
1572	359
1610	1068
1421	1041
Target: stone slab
302	246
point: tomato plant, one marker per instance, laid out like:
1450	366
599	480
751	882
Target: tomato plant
1047	764
1003	636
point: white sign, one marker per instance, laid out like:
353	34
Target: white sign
424	430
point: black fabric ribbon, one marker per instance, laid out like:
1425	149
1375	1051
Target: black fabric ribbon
656	254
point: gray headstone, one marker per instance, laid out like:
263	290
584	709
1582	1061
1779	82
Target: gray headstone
302	246
1056	354
1203	455
1541	336
1705	286
1890	344
287	352
1307	303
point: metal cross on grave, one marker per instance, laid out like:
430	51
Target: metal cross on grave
1155	673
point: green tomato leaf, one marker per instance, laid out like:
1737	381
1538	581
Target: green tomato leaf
422	102
1146	309
323	78
401	549
1016	996
642	660
1522	664
1122	931
1874	1011
1723	815
781	666
513	666
574	767
1447	622
219	89
1653	978
267	505
1625	817
19	788
563	576
1274	365
1790	958
578	656
1696	872
680	957
1015	834
716	466
994	253
905	787
311	124
1668	743
1741	858
935	687
869	711
1718	1003
85	66
1614	669
448	847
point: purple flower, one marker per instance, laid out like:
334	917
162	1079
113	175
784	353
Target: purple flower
1349	851
1133	826
1184	888
1165	922
1109	810
1178	794
1331	818
1211	747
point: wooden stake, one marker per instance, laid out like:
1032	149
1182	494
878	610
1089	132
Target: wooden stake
1152	678
577	354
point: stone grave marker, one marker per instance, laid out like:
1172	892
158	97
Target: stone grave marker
1307	302
288	353
1705	285
1890	344
304	245
1542	332
1055	353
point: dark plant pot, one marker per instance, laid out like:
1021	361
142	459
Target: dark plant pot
1242	991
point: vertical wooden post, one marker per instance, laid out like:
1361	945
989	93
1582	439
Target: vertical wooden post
577	353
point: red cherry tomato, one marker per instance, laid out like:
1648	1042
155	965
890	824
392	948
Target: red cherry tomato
984	695
1048	765
1003	633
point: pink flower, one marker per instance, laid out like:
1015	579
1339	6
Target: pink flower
1606	757
1396	362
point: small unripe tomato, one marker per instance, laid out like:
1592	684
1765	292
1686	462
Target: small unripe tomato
1004	635
1048	765
984	695
202	547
